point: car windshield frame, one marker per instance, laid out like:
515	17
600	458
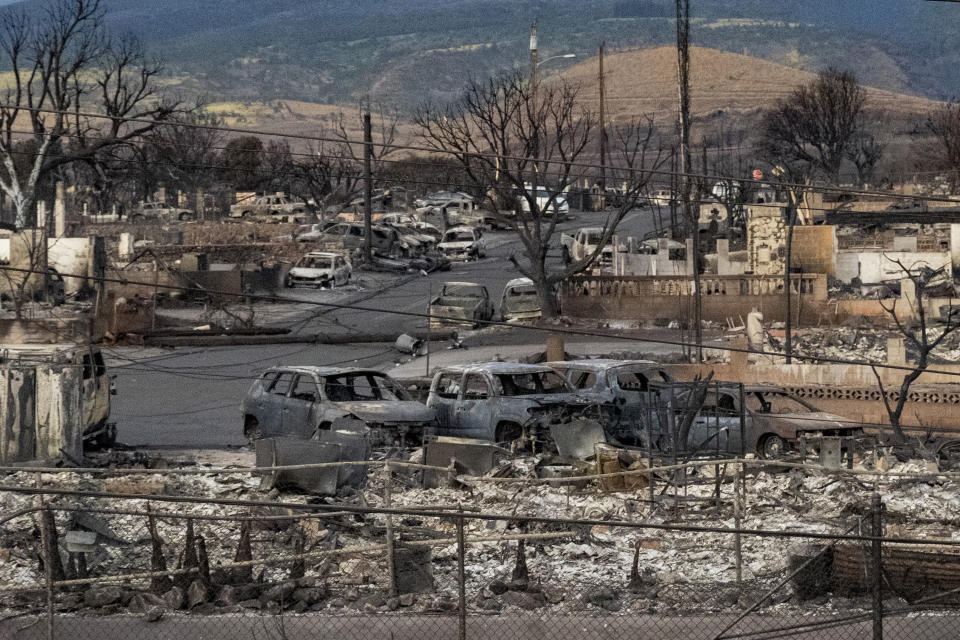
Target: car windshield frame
530	384
752	398
341	387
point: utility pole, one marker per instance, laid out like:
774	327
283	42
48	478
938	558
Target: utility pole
683	77
534	111
367	189
533	60
603	128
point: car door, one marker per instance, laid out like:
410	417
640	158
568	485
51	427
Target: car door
716	428
272	403
341	274
300	407
473	412
443	399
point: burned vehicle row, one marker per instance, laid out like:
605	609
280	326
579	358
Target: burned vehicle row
647	409
306	401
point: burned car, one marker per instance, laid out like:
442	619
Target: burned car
304	401
520	300
319	269
461	303
618	381
501	401
732	420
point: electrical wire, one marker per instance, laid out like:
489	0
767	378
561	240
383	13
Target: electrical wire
491	323
435	150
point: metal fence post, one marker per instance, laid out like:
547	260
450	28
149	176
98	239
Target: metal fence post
877	565
45	517
391	553
737	549
461	575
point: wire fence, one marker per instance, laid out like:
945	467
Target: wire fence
181	553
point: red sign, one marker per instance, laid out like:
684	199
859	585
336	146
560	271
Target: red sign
757	174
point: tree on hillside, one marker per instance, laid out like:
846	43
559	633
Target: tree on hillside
63	64
184	151
332	170
944	123
523	144
241	161
820	127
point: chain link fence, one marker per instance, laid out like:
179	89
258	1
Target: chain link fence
164	556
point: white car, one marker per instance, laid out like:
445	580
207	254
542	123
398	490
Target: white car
463	243
319	269
558	207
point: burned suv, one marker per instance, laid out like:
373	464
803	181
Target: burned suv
301	401
501	401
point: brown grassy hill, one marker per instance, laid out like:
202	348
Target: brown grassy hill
645	81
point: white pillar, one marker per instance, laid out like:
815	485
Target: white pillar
59	213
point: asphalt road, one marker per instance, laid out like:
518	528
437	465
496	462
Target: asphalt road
190	397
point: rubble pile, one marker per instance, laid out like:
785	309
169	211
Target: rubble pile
559	567
843	343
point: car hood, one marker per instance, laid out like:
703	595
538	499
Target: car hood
456	245
812	421
378	411
307	272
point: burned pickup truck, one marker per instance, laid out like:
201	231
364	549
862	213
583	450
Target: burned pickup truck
502	401
461	303
307	401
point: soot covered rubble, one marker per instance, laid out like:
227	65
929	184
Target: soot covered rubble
596	568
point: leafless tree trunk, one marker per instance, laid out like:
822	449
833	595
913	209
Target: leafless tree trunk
944	122
921	336
63	63
821	126
508	137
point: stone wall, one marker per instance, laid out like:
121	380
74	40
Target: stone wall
766	239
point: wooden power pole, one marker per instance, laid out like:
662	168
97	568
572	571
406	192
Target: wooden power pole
603	127
367	189
683	81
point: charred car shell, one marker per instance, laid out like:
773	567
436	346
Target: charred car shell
303	401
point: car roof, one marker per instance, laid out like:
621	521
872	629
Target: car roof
498	368
321	254
460	228
753	388
462	284
518	282
591	229
599	364
323	370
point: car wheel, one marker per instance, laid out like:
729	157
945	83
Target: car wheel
772	447
246	214
507	432
288	283
251	429
298	211
107	437
566	255
185	216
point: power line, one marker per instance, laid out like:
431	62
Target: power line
491	156
492	323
